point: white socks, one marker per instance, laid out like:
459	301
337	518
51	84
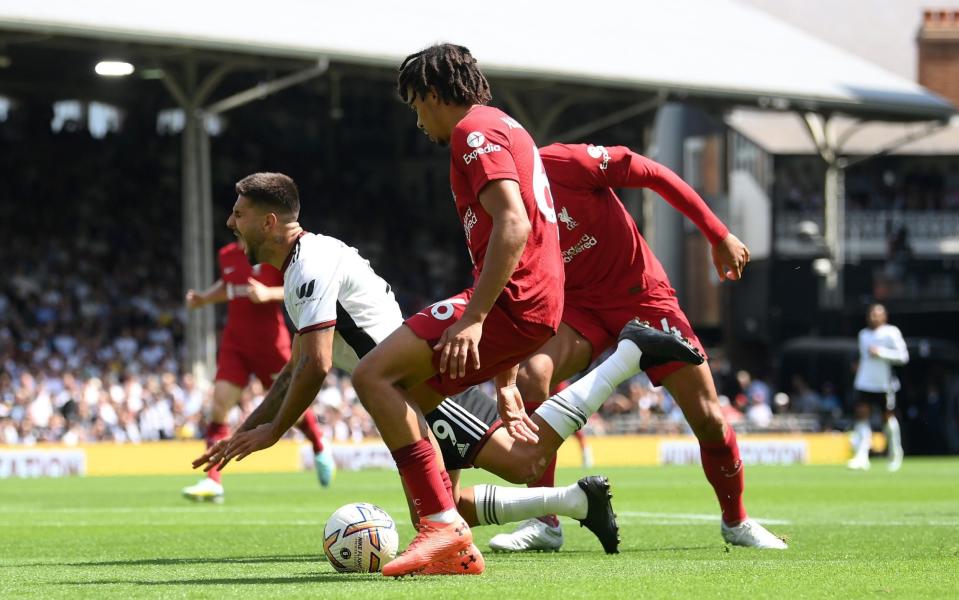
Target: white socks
568	410
893	437
496	505
447	516
863	438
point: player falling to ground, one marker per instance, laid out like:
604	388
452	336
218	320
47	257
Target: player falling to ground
612	276
880	348
255	341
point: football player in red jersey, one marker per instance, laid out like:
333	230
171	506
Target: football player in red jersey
502	199
255	341
613	276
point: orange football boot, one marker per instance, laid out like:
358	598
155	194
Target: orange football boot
466	562
434	543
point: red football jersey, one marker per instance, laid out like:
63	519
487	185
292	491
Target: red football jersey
603	250
488	145
248	324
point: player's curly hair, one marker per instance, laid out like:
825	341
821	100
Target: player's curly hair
274	190
448	69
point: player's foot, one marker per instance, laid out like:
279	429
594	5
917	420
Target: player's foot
600	518
659	347
753	535
206	490
531	535
895	461
858	464
325	466
466	562
434	543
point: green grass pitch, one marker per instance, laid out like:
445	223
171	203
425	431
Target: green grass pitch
851	535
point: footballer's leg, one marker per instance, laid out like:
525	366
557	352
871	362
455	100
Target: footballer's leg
381	379
226	395
692	388
587	501
564	355
640	348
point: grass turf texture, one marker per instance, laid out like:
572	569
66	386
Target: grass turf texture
851	535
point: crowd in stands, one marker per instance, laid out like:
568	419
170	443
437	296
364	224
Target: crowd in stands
91	306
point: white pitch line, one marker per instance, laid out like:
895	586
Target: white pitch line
696	517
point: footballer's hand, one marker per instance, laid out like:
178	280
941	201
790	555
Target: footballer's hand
257	292
245	443
193	299
730	257
509	402
460	347
212	456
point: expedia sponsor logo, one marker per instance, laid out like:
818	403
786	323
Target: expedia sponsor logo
585	243
487	149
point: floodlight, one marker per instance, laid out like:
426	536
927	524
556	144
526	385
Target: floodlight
113	68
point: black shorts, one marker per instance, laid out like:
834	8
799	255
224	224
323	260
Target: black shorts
883	400
462	425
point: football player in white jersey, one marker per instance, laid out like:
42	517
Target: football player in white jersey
880	348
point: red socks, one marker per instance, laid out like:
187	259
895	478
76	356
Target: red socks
214	433
311	429
423	478
548	478
724	470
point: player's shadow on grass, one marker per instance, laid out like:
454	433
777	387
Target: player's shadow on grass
239	560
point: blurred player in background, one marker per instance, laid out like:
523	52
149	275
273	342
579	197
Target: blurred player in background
880	348
611	277
255	341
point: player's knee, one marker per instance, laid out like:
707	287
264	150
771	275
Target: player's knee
528	465
364	382
534	377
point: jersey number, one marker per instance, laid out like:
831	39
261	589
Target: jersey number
442	430
544	198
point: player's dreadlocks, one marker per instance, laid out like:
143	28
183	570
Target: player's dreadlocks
447	68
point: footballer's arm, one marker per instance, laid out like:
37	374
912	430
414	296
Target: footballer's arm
214	294
270	406
511	228
315	362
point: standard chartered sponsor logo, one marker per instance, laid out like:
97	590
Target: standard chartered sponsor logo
585	243
487	149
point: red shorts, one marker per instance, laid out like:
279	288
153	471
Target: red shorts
505	342
600	324
235	364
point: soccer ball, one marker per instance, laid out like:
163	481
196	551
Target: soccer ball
360	538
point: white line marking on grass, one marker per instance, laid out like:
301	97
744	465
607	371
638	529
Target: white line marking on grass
690	517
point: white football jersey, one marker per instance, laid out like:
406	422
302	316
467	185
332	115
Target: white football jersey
327	283
875	372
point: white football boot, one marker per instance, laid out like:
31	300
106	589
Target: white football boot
206	490
529	536
752	534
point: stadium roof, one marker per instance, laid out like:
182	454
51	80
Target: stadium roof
714	49
785	133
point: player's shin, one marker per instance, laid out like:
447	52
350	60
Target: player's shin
724	471
496	505
568	410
